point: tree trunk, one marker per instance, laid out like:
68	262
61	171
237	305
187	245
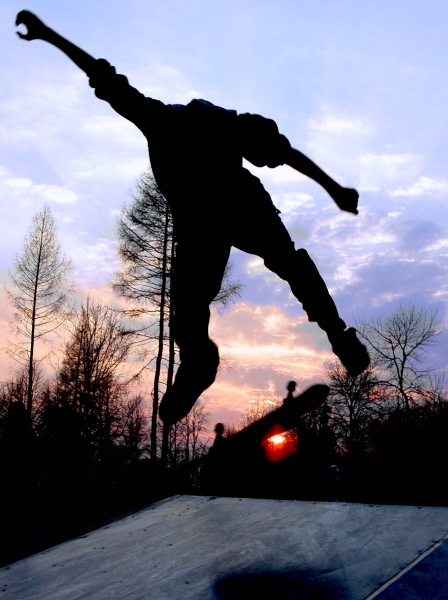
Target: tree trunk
29	399
155	400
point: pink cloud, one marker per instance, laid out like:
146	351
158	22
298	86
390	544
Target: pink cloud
262	348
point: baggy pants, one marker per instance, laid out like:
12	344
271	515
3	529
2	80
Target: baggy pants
203	248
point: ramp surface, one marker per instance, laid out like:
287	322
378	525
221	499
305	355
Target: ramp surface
193	547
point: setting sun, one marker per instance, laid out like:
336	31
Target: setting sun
279	444
277	439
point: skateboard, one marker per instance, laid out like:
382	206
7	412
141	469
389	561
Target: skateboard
237	462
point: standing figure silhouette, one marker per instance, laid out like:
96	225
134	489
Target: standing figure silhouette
291	387
196	153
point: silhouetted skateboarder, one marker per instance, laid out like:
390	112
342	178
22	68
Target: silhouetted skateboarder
196	153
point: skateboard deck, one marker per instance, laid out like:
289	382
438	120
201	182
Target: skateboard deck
245	454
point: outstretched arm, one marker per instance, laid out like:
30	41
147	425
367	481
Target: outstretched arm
345	198
37	30
109	86
263	145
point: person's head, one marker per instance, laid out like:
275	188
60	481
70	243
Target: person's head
219	429
291	386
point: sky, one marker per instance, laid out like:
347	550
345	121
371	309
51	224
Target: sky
360	87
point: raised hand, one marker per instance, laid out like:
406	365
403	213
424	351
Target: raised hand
36	29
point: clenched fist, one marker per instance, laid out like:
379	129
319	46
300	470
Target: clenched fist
36	29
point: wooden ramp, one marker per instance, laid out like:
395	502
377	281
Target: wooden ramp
194	547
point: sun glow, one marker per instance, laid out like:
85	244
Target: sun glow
279	444
277	439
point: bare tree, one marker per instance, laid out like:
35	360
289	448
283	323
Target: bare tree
353	404
147	248
436	395
133	429
188	439
16	388
398	345
92	378
40	291
256	410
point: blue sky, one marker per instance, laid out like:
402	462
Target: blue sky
360	87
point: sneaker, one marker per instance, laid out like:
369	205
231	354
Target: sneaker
176	404
181	397
194	375
352	354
